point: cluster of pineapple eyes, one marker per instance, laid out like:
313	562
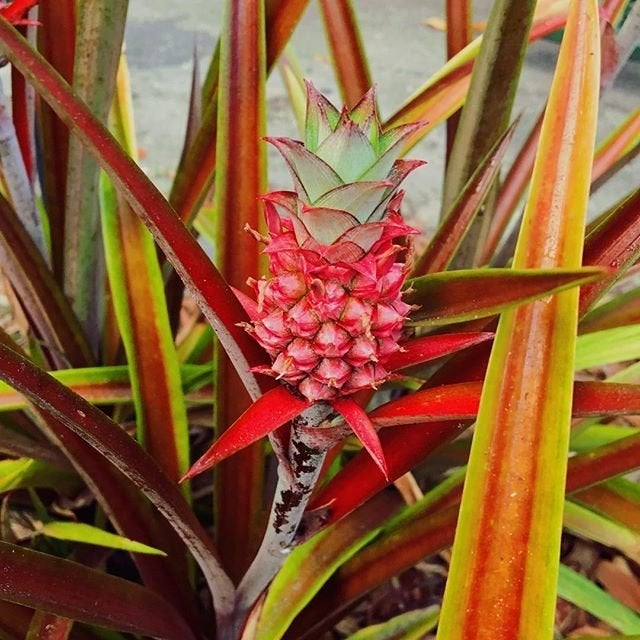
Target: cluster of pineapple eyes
323	339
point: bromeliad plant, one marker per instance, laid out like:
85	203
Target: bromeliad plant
348	329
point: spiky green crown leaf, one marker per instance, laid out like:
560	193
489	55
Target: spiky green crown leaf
347	164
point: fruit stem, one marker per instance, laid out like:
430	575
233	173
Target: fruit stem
306	455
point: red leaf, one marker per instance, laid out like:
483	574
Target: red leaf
16	10
614	242
427	348
349	59
357	418
270	411
450	234
72	590
408	444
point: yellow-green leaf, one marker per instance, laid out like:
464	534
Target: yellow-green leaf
87	534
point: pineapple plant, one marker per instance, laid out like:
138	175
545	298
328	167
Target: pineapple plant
332	312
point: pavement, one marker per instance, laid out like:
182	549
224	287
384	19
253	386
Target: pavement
403	53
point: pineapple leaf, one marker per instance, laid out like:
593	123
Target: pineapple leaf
426	348
347	150
356	417
390	147
358	198
312	176
270	411
327	225
452	296
322	118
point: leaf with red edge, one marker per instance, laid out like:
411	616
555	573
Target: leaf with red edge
621	140
347	52
425	348
238	488
423	532
74	591
356	417
614	242
195	174
445	92
451	232
618	312
511	190
273	409
113	443
452	296
416	429
50	313
511	511
212	294
140	307
56	41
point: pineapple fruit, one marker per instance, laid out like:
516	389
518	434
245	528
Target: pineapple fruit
332	312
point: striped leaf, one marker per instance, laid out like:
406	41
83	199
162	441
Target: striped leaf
136	283
505	558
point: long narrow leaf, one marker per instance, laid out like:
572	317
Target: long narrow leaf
275	408
121	451
100	33
585	594
195	175
453	228
74	591
102	385
511	513
52	317
423	532
238	186
452	296
459	35
310	565
136	282
483	118
347	51
511	190
57	42
216	300
613	242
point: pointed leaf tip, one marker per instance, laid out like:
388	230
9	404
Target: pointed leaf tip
266	414
356	417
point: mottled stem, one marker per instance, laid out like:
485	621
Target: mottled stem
306	455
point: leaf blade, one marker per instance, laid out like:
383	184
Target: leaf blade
516	466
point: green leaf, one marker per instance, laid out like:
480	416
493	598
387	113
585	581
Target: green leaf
596	435
99	36
87	534
575	588
483	118
311	564
26	473
608	346
137	287
411	625
594	526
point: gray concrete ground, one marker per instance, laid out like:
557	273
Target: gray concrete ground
403	53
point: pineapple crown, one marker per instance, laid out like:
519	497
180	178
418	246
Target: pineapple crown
346	175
